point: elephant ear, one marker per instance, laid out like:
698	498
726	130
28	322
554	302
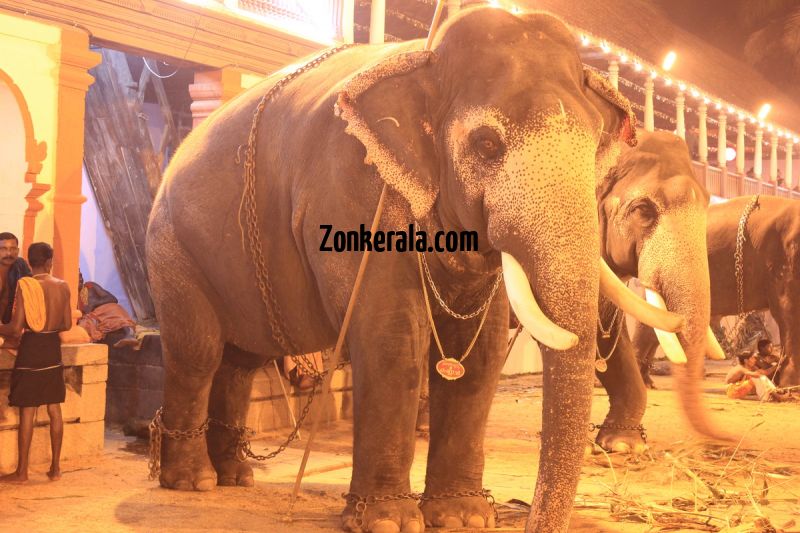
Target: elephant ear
386	109
619	120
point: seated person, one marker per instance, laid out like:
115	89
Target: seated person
746	377
767	360
102	315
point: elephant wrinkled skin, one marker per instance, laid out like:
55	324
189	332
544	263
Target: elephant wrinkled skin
652	220
496	130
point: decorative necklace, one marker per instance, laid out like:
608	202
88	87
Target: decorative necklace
601	363
445	306
44	274
451	368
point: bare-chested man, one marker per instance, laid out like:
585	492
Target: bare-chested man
42	310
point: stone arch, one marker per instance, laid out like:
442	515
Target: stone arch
34	154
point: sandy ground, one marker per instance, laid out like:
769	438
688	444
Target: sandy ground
112	492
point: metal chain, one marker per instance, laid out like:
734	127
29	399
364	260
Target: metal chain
739	253
248	203
485	493
157	429
609	425
738	257
360	503
608	334
446	307
243	450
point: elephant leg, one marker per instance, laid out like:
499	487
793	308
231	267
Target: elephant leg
645	344
459	411
386	343
627	395
785	309
228	404
191	350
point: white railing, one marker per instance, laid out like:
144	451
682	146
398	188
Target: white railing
726	184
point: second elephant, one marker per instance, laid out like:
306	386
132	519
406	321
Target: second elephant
652	224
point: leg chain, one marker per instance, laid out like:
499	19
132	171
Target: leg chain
157	429
360	503
640	428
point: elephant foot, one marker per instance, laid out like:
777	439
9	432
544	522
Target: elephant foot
185	465
233	473
224	445
621	440
648	382
467	511
391	516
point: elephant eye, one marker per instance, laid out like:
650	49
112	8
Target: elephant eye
487	143
643	211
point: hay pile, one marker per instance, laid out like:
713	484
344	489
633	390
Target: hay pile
703	487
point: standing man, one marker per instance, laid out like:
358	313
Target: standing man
12	268
42	310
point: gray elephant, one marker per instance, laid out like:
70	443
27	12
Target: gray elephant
498	130
652	220
771	271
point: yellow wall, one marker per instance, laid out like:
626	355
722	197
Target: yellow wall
43	66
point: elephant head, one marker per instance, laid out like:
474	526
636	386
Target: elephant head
653	227
499	129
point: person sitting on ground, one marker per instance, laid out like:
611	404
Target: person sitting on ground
746	377
103	316
41	311
767	360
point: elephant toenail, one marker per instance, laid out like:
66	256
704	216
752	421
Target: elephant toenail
182	484
384	526
205	484
226	482
621	447
476	521
413	526
452	521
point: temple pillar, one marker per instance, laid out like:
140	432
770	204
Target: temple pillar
453	7
377	21
740	146
758	158
680	120
722	139
702	141
73	82
613	73
348	17
649	118
773	156
211	89
788	169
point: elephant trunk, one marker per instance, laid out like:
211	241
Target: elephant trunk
674	264
568	296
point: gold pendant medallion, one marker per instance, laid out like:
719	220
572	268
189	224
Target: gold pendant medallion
450	369
600	365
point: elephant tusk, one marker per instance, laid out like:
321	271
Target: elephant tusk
714	350
612	288
528	311
669	341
